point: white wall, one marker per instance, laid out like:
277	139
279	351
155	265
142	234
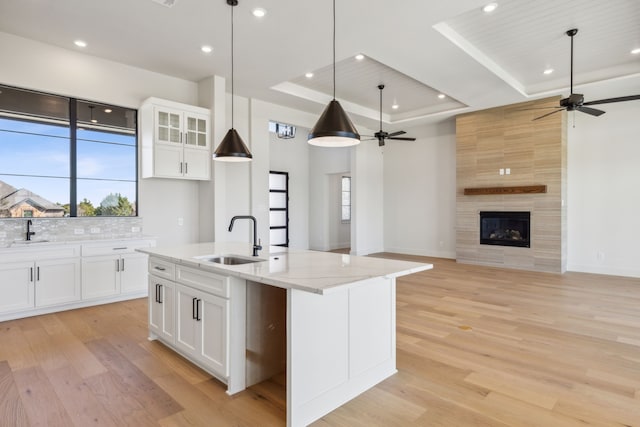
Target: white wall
367	199
39	66
420	192
292	156
603	194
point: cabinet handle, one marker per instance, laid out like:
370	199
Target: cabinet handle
38	274
117	265
160	293
122	268
198	318
157	292
186	168
31	274
159	268
180	167
193	308
120	249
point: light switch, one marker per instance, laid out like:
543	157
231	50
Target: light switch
508	171
501	171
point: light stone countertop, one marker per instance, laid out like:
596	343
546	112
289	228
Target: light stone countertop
311	271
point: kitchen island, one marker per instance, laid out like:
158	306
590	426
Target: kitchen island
340	317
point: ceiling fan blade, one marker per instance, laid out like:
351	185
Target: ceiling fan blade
369	139
400	132
548	114
591	111
401	138
537	108
610	100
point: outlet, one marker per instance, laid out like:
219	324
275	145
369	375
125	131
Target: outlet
78	231
507	171
95	230
180	221
501	171
135	229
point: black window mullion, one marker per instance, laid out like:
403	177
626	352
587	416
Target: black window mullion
73	157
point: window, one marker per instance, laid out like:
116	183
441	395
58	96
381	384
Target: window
346	198
65	157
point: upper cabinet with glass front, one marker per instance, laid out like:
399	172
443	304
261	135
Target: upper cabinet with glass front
175	140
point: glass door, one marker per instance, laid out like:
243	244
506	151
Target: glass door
279	208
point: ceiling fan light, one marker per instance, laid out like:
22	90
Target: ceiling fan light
232	149
548	71
334	128
490	7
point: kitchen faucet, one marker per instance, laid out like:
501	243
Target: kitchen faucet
29	232
256	244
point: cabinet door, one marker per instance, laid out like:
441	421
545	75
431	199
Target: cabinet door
214	332
57	281
162	308
168	126
167	161
133	272
197	164
196	131
187	327
16	286
100	276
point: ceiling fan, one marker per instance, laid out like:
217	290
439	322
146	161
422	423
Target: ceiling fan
381	135
575	101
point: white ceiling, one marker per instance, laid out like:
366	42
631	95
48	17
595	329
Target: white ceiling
417	48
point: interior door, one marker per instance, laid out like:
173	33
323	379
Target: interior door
279	208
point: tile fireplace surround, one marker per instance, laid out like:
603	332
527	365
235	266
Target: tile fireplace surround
535	152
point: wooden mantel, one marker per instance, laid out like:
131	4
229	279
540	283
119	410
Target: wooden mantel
522	189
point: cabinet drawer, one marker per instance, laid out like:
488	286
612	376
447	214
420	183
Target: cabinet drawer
203	280
161	268
114	247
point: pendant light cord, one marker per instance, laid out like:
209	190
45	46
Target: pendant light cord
232	66
334	49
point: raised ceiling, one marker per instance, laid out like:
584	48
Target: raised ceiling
417	48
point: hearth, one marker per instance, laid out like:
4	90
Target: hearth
505	228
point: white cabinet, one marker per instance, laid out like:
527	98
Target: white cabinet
162	308
39	278
175	140
201	329
113	268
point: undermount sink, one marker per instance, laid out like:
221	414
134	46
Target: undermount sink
28	242
229	259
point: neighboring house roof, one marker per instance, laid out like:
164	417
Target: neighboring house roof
10	196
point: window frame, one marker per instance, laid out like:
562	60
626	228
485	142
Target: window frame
73	125
342	205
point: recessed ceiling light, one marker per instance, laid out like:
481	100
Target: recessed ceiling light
442	96
308	75
108	110
206	49
359	57
259	12
636	51
395	106
488	8
80	43
548	71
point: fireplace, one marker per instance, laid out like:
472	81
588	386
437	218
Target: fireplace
505	228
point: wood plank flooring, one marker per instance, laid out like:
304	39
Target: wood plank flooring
476	346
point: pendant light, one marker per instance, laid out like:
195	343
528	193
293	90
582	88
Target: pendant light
334	128
232	148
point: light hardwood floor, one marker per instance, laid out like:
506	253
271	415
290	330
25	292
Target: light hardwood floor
477	346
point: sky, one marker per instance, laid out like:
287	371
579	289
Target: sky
41	151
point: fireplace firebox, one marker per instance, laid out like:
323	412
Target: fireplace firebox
505	228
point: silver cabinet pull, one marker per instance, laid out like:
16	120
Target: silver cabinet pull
157	267
117	265
122	268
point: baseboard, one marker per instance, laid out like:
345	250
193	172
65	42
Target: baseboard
421	252
604	269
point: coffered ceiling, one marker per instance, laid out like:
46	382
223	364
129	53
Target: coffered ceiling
418	49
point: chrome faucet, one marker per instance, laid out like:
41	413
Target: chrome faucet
29	232
257	245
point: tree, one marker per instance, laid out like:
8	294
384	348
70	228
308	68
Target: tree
115	204
85	208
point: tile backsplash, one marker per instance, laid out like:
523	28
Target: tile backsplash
70	229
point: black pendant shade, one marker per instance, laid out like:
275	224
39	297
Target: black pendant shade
334	128
232	148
